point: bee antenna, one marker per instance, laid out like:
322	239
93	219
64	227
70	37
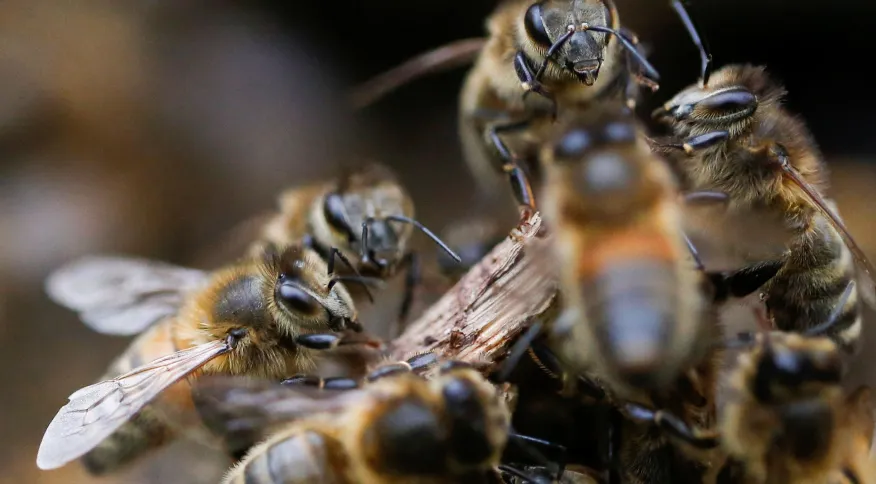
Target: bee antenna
517	351
705	55
444	247
822	328
361	280
650	71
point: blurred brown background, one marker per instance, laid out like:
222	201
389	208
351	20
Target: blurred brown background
151	128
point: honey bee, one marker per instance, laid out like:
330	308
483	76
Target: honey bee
732	135
364	218
560	49
639	326
403	428
786	419
472	239
259	317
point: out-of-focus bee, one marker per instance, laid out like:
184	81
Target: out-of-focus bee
785	419
472	239
733	136
364	218
404	428
260	317
568	51
639	320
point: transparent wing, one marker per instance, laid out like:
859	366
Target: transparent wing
866	271
243	410
123	296
96	411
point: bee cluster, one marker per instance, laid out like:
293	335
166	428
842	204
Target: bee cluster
584	345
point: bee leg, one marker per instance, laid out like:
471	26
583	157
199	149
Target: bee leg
414	364
697	143
411	264
524	476
334	383
705	196
530	83
698	262
327	341
671	424
559	449
612	453
516	175
744	281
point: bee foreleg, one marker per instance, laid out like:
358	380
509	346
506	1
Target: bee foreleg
697	143
334	383
529	81
511	166
671	424
326	341
414	364
560	450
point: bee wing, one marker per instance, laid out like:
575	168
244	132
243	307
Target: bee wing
243	410
96	411
122	296
866	271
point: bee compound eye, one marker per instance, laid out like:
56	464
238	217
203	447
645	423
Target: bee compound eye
534	24
296	299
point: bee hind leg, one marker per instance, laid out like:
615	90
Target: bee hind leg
671	424
696	143
560	450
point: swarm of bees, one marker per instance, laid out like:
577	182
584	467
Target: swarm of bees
623	380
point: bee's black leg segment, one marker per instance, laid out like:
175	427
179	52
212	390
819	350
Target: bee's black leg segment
529	80
334	383
388	369
452	365
744	281
522	475
517	351
704	196
613	446
590	388
516	175
326	341
422	361
696	143
560	450
413	276
303	380
671	424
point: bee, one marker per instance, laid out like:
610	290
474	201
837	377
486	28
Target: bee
259	317
786	419
560	49
472	239
731	134
396	429
638	328
364	218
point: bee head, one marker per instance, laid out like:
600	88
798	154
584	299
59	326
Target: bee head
545	23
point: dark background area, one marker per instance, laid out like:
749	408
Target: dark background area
152	128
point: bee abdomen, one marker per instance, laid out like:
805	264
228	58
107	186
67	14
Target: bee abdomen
144	432
808	290
290	459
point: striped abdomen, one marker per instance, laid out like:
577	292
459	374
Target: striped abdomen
293	456
818	269
149	429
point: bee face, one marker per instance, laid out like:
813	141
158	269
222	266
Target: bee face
358	207
546	21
